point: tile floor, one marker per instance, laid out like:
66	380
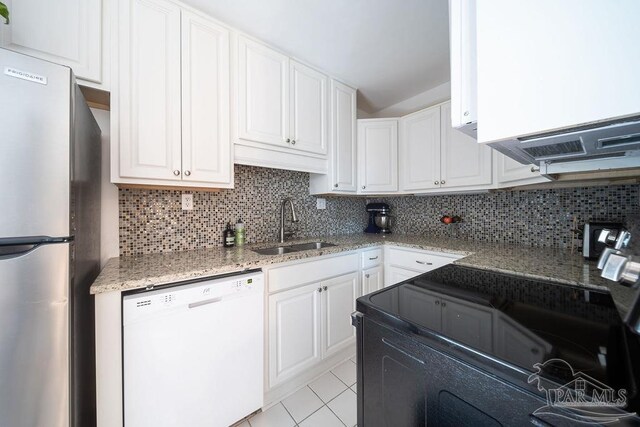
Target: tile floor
329	401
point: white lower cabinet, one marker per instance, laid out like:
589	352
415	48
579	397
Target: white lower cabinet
404	263
294	331
372	279
397	274
339	301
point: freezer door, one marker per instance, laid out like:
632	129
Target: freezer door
35	106
34	337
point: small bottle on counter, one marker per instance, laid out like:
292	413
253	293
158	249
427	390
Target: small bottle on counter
240	233
229	236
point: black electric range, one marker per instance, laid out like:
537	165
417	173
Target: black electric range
472	339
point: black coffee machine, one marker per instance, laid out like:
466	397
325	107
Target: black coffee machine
378	218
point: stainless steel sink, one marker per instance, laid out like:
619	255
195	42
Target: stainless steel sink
276	250
280	250
310	246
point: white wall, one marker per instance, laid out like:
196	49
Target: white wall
109	237
422	100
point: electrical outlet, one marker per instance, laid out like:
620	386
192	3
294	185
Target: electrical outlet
187	202
321	203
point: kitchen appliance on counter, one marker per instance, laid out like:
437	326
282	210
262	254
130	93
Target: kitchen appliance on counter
591	246
49	245
379	218
466	346
193	352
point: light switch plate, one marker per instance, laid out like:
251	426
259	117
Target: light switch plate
321	203
187	202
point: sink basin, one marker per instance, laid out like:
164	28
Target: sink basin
280	250
276	250
311	245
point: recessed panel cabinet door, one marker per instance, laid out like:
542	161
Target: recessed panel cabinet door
339	296
67	32
511	172
420	150
263	94
377	155
294	332
465	162
308	109
206	148
148	98
343	134
372	280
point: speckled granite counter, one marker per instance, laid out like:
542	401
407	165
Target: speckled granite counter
134	272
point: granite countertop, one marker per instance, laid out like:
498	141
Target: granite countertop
133	272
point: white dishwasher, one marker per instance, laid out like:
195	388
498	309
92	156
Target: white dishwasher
193	352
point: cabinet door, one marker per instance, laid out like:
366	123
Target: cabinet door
420	306
263	94
397	275
343	137
148	101
308	109
294	332
206	147
67	32
468	323
377	155
465	163
372	280
420	150
339	295
511	172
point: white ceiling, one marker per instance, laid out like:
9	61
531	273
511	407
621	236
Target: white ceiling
390	49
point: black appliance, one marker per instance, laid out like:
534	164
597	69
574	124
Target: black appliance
377	210
592	247
464	346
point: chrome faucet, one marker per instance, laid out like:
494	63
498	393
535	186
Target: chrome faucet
294	218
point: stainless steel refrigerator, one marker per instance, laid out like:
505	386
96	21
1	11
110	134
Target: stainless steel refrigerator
49	245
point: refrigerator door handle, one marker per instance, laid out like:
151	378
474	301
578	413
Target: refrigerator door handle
12	248
13	251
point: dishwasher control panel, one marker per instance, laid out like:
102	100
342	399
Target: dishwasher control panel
144	305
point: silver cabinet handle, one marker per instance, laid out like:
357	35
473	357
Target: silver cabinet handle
204	302
424	262
176	172
364	186
444	304
187	173
437	182
442	182
287	140
534	169
319	289
371	259
466	113
437	302
324	288
335	185
293	142
367	275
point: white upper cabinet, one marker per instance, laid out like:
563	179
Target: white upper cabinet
206	147
170	104
146	101
510	172
377	155
420	150
342	176
263	94
308	109
67	32
464	162
547	65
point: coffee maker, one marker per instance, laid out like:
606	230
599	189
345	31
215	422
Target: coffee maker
379	218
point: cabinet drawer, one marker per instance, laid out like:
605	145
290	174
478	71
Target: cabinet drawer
418	260
371	258
294	275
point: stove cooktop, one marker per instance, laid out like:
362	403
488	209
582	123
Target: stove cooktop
550	329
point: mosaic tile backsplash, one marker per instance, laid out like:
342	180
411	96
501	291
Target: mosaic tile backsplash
153	220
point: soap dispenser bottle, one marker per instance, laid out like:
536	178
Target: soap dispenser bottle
229	236
240	233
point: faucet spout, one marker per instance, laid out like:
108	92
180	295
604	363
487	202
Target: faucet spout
294	217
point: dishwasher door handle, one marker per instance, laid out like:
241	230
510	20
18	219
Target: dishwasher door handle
204	302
